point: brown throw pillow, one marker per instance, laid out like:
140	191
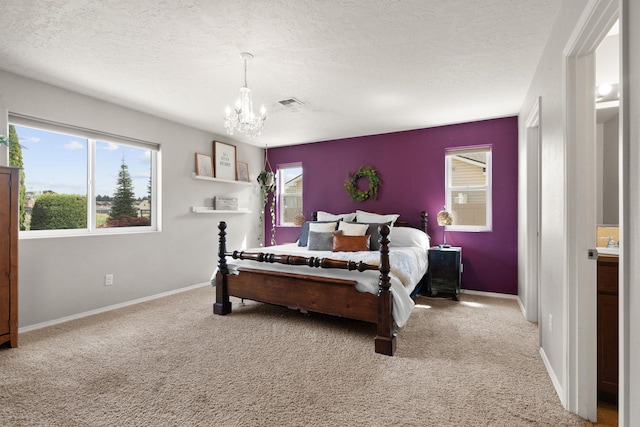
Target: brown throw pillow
342	243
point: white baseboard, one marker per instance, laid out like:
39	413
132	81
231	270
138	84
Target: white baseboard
522	308
488	294
109	308
554	378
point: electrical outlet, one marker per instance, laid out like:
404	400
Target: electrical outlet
550	323
108	279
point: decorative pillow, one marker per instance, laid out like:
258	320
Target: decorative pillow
375	234
362	216
318	226
342	243
352	229
326	216
321	241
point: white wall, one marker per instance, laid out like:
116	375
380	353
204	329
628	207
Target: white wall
64	276
548	84
630	219
610	170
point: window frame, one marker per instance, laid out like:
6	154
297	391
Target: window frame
450	189
92	137
280	192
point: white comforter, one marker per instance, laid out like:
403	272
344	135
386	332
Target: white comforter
408	265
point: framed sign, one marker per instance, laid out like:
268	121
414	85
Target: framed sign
204	165
243	171
224	158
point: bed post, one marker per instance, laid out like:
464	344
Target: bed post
385	340
423	221
222	304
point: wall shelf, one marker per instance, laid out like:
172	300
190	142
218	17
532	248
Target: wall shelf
208	210
226	181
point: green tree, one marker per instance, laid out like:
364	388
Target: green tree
123	198
59	211
15	160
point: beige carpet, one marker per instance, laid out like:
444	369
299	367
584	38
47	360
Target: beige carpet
171	362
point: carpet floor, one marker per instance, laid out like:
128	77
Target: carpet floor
171	362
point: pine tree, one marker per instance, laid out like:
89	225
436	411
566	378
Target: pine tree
15	160
123	198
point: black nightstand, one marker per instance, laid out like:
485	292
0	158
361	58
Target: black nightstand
445	269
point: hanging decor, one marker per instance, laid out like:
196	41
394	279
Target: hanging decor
241	118
351	184
267	181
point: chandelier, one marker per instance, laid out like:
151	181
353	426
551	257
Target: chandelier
241	118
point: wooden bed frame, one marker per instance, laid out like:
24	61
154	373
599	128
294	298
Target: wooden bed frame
337	297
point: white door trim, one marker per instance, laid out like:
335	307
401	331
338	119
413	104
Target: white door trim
532	212
580	392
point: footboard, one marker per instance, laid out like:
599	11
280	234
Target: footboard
336	297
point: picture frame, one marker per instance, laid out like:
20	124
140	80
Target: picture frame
224	156
204	165
242	171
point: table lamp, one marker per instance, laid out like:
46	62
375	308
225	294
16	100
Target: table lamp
444	218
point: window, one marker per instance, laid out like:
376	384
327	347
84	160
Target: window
289	202
468	188
78	181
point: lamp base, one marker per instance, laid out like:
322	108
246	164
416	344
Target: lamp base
444	245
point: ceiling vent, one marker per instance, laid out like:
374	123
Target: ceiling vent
291	102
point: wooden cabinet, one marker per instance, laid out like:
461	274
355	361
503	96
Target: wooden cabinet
444	273
608	328
9	199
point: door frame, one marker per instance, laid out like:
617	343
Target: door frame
580	340
533	146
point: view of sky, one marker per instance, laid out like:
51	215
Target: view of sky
58	162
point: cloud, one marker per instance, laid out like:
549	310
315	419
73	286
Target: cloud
109	146
74	145
145	156
33	139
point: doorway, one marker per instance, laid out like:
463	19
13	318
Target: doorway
581	207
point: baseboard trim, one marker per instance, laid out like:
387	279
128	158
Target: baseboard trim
554	378
488	294
109	308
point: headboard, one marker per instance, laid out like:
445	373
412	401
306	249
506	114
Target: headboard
399	223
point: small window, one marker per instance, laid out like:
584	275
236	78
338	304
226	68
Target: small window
468	188
78	181
289	194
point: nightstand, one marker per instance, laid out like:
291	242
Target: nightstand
445	269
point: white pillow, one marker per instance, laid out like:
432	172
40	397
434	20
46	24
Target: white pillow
402	237
322	227
363	216
326	216
351	229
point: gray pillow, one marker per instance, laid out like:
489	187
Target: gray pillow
304	232
374	243
321	241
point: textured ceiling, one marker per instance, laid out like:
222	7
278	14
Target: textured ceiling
360	67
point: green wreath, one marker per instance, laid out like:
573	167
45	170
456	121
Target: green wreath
351	184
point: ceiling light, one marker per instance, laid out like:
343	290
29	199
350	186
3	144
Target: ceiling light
604	89
241	118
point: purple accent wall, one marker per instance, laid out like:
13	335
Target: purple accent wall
412	169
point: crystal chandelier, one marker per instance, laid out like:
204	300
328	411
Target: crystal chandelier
241	118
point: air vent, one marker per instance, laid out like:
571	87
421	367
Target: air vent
291	102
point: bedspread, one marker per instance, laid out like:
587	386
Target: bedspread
408	266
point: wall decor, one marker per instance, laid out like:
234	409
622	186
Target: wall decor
224	156
225	203
242	170
351	184
204	165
